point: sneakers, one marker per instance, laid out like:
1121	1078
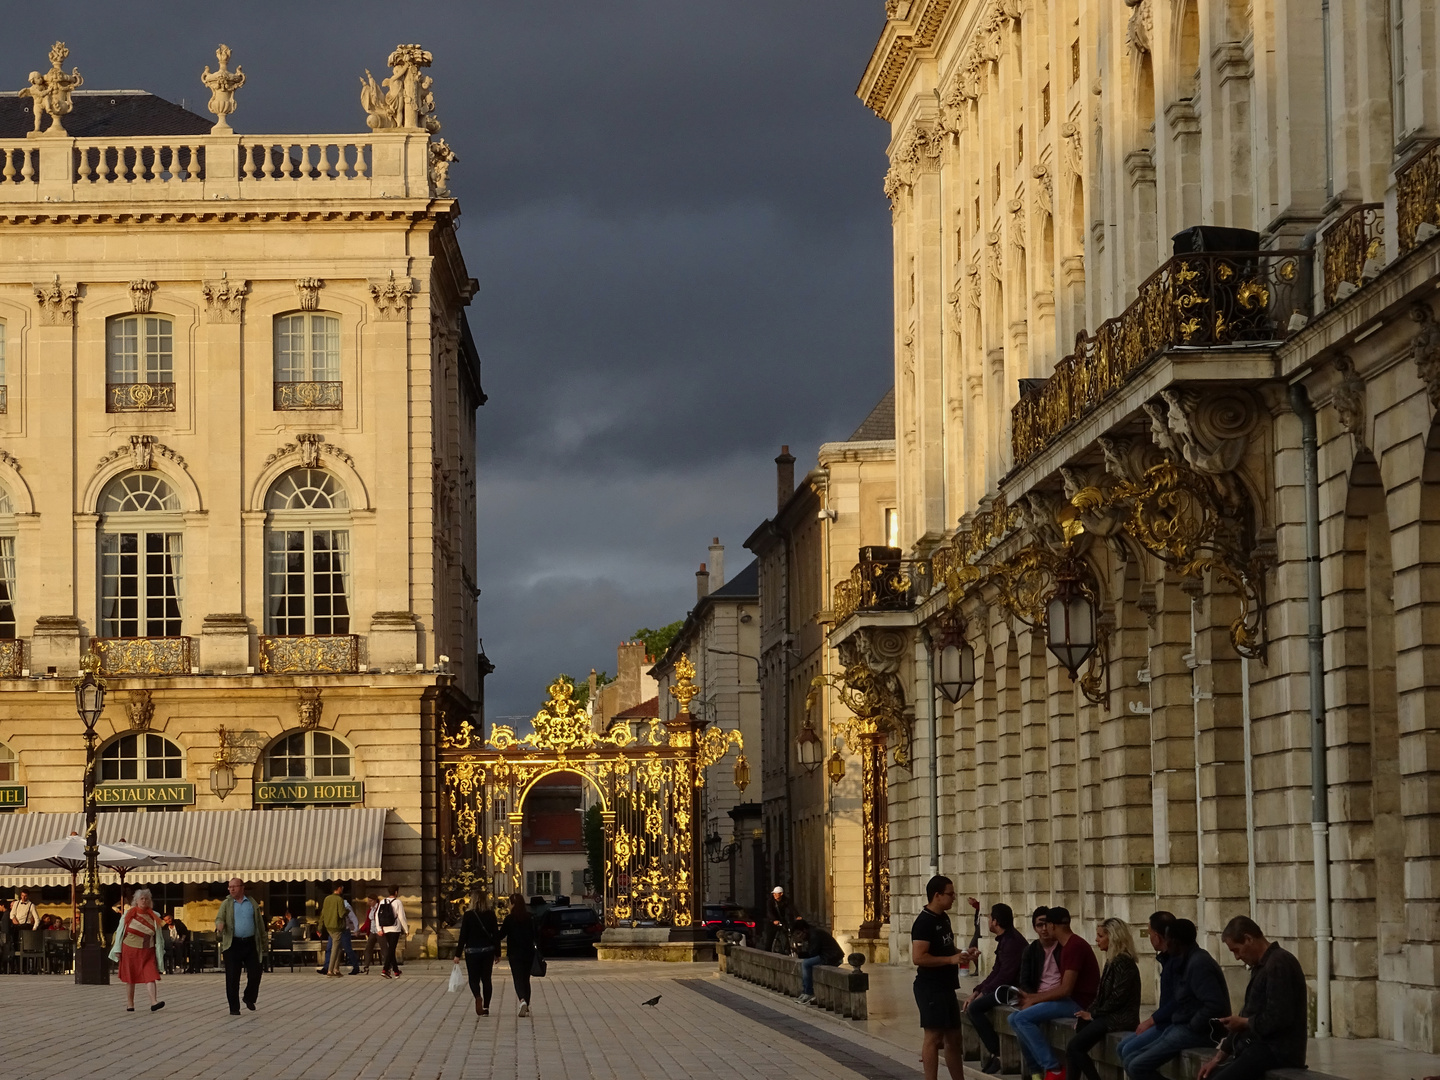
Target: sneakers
805	999
1055	1074
386	975
356	971
524	1008
991	1065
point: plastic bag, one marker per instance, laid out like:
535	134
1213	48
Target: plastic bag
457	978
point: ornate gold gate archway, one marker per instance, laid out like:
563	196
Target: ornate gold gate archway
649	781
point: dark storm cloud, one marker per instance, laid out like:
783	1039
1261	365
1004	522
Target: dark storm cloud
672	208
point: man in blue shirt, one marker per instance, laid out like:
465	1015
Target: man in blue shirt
242	942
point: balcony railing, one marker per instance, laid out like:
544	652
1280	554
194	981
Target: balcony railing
140	397
142	655
315	653
881	581
12	658
380	164
4	398
308	395
1193	301
1417	197
1350	242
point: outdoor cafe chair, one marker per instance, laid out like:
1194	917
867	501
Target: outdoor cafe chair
59	950
32	951
281	944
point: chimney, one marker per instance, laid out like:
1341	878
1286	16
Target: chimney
784	477
702	583
717	563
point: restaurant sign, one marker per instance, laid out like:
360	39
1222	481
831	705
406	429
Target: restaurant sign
12	795
174	794
310	791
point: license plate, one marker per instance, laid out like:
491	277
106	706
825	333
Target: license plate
570	933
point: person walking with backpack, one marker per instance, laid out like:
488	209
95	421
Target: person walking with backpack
518	933
391	917
479	938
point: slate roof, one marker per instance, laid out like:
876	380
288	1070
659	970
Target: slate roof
107	114
744	584
880	424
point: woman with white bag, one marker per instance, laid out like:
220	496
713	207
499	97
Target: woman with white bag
479	933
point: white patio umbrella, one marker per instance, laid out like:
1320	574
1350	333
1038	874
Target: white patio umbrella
140	855
68	853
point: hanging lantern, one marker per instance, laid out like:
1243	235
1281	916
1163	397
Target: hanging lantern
1070	630
222	780
954	662
835	766
808	747
742	773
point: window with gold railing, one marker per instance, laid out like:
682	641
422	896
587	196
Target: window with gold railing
314	653
142	655
1352	241
1193	301
1417	197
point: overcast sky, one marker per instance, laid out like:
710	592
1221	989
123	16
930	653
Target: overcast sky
673	209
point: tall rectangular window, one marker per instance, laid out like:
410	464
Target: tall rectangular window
1397	64
7	586
141	584
309	572
141	350
892	527
307	348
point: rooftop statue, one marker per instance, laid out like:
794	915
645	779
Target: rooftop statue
222	83
406	101
50	92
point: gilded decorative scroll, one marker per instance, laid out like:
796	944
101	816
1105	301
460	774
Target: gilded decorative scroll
1417	196
316	653
142	655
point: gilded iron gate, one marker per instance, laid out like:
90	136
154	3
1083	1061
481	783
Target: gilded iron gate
647	781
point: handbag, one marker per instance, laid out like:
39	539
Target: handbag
537	965
457	978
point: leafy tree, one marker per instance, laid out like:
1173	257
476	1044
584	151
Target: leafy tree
595	846
657	641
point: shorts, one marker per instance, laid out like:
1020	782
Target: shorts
939	1006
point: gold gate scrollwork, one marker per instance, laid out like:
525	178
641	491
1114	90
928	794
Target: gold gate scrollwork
646	786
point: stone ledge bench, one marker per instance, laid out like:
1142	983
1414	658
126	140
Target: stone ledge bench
839	989
1104	1054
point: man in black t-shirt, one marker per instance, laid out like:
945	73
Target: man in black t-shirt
937	978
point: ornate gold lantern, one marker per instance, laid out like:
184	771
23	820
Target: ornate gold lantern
808	747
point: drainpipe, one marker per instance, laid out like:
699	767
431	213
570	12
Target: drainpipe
1319	782
934	764
1329	120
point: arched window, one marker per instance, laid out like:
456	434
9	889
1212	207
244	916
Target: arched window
139	364
7	565
141	757
141	580
309	755
307	361
308	555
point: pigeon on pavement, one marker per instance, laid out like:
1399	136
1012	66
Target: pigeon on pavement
653	1001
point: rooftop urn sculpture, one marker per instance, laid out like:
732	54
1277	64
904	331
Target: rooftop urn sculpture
222	84
50	92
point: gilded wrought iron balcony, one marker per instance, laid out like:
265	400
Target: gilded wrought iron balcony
142	655
315	653
140	397
882	581
1194	301
308	395
12	658
1349	243
1417	197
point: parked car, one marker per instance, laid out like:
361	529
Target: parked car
569	929
730	919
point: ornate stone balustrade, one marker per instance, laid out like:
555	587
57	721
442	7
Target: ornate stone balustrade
58	168
315	653
1192	302
142	655
12	658
1354	239
1417	197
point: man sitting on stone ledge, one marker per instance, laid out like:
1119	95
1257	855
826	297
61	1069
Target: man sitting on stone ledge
1079	980
1009	946
814	946
1272	1027
1200	996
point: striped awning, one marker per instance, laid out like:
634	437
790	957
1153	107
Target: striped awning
321	843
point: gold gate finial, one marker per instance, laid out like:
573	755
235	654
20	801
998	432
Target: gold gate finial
684	689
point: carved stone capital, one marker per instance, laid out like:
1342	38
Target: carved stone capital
142	292
224	299
392	297
309	290
57	302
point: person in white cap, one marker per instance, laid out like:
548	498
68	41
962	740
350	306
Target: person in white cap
778	916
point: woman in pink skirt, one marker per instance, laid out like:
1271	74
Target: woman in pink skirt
140	950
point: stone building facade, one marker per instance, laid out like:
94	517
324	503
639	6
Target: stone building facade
1098	401
815	824
237	454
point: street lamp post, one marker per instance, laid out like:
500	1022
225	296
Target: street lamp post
92	967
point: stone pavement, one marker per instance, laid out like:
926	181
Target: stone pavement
586	1022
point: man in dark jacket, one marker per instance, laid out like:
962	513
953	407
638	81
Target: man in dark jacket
1200	996
1272	1027
1038	953
1151	1027
778	917
814	946
1009	946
